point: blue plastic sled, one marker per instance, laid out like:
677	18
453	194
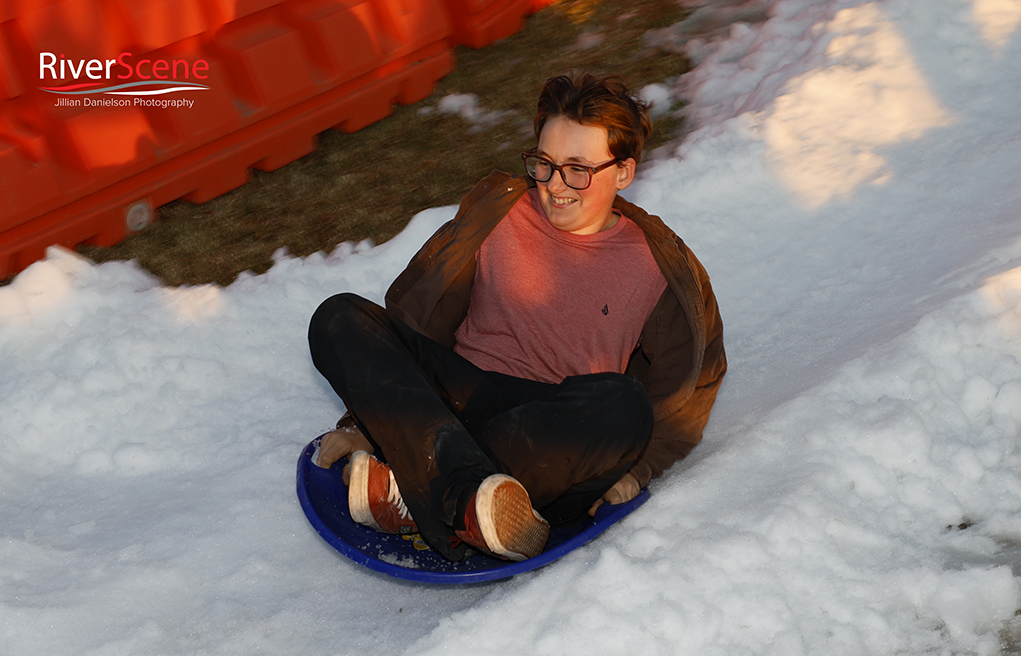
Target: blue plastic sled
323	497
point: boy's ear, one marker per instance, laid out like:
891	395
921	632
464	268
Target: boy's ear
626	173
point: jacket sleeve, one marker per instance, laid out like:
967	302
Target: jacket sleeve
667	355
432	293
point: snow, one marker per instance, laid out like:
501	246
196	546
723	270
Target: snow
466	105
658	97
850	184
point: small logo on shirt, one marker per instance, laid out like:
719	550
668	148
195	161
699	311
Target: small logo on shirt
606	309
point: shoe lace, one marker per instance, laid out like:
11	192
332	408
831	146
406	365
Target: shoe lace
394	498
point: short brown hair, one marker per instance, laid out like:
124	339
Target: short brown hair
597	100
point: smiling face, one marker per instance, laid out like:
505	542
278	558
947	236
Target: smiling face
581	211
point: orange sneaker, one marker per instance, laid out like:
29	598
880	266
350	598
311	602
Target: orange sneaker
373	497
500	520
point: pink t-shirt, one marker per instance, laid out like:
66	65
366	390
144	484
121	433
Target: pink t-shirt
547	304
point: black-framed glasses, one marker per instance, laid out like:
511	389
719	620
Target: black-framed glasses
575	176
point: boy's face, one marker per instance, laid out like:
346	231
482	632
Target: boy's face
581	211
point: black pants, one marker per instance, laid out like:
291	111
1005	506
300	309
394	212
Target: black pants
444	425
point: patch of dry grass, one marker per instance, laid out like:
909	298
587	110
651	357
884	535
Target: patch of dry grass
369	184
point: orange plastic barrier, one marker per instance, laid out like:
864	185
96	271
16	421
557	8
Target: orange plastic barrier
85	163
478	23
81	162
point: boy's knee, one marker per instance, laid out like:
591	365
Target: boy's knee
629	396
620	404
342	304
337	310
627	413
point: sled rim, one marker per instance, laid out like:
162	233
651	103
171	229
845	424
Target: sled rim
481	568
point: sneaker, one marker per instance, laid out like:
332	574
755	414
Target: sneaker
373	497
500	520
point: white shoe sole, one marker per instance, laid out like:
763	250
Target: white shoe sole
358	490
511	527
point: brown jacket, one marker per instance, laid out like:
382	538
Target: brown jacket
679	358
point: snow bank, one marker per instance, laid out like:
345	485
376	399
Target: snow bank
869	515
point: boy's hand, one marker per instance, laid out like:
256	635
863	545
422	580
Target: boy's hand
624	490
341	443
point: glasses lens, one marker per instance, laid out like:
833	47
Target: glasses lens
538	168
576	177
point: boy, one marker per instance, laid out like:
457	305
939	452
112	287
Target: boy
551	348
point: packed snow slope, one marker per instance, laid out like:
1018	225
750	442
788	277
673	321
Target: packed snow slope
852	187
